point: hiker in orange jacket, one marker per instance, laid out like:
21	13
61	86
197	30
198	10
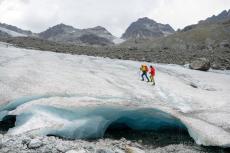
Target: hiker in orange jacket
152	74
144	70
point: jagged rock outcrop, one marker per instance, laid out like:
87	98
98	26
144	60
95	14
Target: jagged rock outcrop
147	28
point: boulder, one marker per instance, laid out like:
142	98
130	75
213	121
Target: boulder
75	151
224	44
103	151
1	144
35	143
129	149
202	64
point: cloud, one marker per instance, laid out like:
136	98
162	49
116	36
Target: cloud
115	15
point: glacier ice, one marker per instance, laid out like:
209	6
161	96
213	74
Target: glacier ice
91	122
15	103
3	114
80	96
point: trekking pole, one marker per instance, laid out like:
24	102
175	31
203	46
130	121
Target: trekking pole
138	75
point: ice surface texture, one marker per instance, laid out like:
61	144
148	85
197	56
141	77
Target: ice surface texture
59	94
92	122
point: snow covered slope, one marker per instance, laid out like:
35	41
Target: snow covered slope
80	96
12	33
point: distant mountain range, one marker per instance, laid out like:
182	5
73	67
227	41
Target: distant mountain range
143	28
64	34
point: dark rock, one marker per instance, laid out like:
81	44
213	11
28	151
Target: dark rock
202	64
26	141
193	85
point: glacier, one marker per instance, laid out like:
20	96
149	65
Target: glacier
77	96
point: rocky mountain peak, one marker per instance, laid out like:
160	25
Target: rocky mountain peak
146	20
61	26
98	28
57	30
147	28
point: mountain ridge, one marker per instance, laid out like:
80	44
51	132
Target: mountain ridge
223	16
69	34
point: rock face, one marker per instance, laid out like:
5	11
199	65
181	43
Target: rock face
147	28
202	64
68	34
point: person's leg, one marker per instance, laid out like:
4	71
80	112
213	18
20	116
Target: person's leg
153	80
142	76
146	76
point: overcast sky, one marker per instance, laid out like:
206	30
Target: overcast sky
114	15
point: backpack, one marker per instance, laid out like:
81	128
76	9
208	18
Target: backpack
145	68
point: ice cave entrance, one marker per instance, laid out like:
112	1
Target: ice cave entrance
148	126
145	124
